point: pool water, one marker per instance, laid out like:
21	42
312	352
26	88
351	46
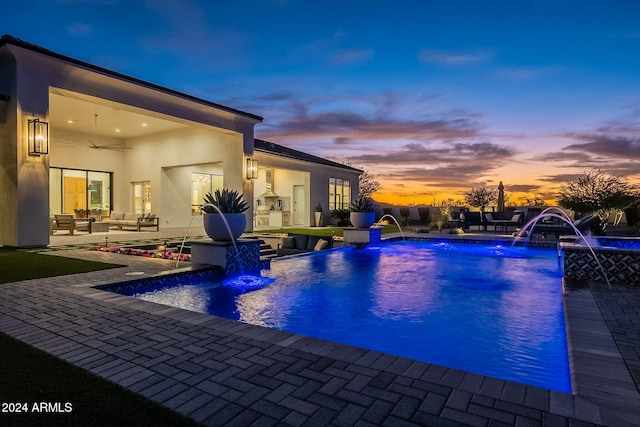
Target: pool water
492	310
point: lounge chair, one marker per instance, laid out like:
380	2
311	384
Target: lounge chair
70	223
472	219
584	225
504	224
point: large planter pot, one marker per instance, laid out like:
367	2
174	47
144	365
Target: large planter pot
216	227
362	219
318	218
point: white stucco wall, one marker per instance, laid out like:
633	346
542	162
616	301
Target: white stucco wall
316	181
168	159
24	213
29	76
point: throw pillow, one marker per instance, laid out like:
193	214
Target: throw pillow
288	243
320	245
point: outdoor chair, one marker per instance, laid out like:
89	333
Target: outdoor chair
504	224
70	223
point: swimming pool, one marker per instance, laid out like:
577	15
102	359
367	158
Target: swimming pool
488	309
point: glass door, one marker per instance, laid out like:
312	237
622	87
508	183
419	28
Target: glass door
299	204
86	194
99	195
74	193
141	197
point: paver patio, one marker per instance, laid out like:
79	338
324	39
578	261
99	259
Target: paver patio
222	372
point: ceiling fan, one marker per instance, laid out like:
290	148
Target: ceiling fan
95	145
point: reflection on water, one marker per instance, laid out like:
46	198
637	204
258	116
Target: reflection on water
492	310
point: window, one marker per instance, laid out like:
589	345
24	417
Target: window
339	193
80	192
201	184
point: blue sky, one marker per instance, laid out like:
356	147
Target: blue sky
434	97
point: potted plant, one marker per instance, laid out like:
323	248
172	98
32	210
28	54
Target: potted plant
224	218
363	213
341	216
318	215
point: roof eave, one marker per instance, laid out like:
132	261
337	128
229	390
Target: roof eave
303	157
8	39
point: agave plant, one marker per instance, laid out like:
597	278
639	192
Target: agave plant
228	201
362	204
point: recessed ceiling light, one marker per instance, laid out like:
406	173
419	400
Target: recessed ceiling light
117	130
72	121
144	125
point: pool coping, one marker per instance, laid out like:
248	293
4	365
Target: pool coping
469	398
598	371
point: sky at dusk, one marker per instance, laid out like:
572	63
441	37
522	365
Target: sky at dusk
433	97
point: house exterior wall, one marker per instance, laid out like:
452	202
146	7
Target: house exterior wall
8	149
24	181
318	181
168	159
29	76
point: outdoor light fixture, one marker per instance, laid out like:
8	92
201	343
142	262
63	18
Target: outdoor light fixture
38	137
251	168
163	248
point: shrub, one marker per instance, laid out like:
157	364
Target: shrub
228	201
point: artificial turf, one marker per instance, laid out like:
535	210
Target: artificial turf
30	377
16	265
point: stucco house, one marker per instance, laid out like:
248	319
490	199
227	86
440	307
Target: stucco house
80	139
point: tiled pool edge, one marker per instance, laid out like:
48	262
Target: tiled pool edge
468	393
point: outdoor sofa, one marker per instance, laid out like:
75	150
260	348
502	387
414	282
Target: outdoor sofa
133	220
296	243
584	225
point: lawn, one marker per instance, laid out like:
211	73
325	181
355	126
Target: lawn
16	265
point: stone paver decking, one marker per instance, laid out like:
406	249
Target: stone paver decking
222	372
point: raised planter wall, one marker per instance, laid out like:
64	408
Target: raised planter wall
621	263
244	255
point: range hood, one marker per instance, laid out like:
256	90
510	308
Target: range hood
269	185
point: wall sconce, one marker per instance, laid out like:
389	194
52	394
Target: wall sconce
38	137
251	168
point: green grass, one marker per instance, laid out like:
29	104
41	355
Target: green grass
32	376
16	265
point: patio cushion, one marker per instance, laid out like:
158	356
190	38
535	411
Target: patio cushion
116	216
320	245
301	240
288	243
311	243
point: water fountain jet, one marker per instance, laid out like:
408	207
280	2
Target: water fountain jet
564	217
394	220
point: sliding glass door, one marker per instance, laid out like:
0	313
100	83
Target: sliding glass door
87	194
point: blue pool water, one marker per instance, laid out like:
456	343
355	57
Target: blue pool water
492	310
